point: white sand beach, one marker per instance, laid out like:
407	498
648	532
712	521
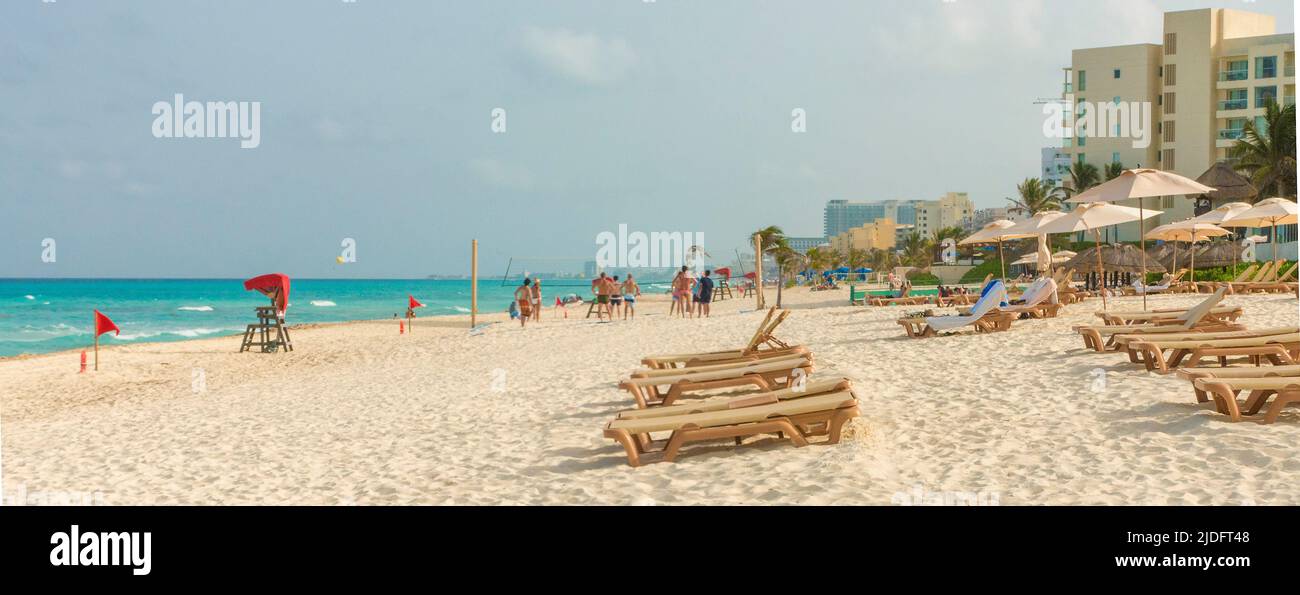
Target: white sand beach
360	415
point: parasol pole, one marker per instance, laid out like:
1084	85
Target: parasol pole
1101	274
1142	238
473	283
1002	261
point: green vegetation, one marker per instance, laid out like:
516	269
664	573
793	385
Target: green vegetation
991	266
919	277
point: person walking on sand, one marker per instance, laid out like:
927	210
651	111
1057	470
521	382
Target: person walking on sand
630	291
524	297
537	300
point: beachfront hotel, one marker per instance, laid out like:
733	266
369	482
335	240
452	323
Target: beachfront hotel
1214	70
952	209
881	234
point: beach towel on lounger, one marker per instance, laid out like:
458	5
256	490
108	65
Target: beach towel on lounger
1042	290
995	296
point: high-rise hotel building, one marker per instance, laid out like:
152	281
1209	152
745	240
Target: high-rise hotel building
1214	71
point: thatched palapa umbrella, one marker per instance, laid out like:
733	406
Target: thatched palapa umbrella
1140	184
1092	216
1217	254
1115	258
1227	183
1190	231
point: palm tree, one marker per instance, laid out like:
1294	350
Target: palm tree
787	259
818	260
770	238
880	260
1113	170
1082	177
917	251
1036	196
1267	153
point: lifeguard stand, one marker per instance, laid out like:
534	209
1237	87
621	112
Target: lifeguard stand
269	333
723	290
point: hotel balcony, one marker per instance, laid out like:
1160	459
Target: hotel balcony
1233	104
1234	75
1289	100
1231	133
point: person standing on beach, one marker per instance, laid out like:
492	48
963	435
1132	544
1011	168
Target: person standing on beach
681	293
537	300
705	295
524	297
600	287
615	298
630	291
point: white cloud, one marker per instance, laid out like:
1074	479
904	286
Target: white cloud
501	175
584	57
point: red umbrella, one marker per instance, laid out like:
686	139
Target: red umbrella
274	286
725	272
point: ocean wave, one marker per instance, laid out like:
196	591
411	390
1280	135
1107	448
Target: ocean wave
462	309
30	297
189	333
323	303
195	308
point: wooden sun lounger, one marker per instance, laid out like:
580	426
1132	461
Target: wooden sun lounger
792	357
1221	313
1190	374
752	350
649	391
1224	393
1123	342
1195	318
1170	285
1281	349
1271	284
818	408
994	321
903	300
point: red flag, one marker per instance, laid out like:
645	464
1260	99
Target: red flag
414	302
103	324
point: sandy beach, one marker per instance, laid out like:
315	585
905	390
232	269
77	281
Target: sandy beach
360	415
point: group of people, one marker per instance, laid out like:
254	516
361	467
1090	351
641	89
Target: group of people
691	296
528	302
613	296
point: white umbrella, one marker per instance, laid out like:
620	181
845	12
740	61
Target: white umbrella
1223	213
1031	228
1092	217
1140	184
1191	231
995	231
1270	212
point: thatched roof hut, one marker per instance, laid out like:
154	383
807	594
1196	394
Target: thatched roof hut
1216	254
1231	186
1115	258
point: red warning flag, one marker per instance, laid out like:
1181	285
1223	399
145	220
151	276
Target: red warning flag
103	324
414	302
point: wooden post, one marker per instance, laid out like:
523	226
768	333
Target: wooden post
96	349
473	284
758	272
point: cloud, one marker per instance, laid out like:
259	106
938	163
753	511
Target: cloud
583	57
501	175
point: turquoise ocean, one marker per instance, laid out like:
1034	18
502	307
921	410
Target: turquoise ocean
44	315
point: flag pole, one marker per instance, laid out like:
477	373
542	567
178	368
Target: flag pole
97	348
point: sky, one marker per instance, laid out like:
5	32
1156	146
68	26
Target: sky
376	123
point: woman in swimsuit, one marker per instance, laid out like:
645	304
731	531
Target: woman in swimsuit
524	297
